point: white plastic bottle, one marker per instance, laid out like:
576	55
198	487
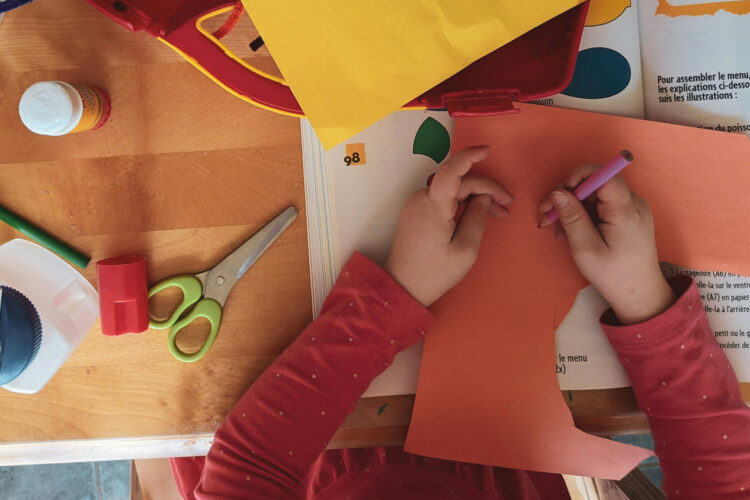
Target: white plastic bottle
59	108
67	305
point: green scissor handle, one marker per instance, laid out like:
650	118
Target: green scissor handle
205	308
192	291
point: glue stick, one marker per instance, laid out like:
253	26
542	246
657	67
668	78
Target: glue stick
59	108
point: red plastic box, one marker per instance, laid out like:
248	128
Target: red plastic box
537	64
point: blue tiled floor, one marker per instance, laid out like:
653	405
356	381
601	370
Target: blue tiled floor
649	467
81	481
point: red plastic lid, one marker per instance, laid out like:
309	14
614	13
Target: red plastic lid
534	65
537	64
123	294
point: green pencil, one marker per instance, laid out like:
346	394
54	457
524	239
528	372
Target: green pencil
46	240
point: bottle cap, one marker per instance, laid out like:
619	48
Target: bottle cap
50	108
123	294
20	333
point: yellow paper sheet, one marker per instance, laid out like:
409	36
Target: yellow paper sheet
350	63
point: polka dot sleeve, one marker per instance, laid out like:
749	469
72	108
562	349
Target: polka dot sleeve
267	444
685	385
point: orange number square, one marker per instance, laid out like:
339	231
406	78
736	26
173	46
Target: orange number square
355	154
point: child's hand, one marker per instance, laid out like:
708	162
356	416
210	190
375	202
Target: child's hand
615	251
431	253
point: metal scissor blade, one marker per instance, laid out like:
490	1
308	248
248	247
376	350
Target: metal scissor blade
226	273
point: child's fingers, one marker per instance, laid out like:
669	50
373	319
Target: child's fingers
576	222
479	184
546	205
559	232
470	228
578	175
498	211
447	180
615	192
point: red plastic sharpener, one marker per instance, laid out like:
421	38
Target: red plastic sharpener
123	294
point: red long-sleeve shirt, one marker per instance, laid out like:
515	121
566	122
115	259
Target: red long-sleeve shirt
271	445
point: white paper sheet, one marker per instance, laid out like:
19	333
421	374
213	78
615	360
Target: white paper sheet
696	68
359	211
585	359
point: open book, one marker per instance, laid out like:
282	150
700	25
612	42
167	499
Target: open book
354	194
355	191
676	61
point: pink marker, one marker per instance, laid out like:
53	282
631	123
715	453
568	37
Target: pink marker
600	177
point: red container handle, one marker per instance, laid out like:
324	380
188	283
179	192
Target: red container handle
213	58
471	92
206	52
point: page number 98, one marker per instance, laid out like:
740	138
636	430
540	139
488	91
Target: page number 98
355	154
354	158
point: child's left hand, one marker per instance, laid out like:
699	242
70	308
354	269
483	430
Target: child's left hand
431	253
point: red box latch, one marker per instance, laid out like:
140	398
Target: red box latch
480	102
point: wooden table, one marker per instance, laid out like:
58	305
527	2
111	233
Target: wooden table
181	173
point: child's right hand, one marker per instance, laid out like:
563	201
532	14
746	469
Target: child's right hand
616	252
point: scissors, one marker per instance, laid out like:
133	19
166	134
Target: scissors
208	291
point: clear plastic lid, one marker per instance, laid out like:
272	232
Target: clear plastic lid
67	304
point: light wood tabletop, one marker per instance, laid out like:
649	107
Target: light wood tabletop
181	173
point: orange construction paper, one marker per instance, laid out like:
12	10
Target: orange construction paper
488	392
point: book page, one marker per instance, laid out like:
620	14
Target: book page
696	63
607	78
681	42
363	200
726	299
694	73
370	191
358	192
585	360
